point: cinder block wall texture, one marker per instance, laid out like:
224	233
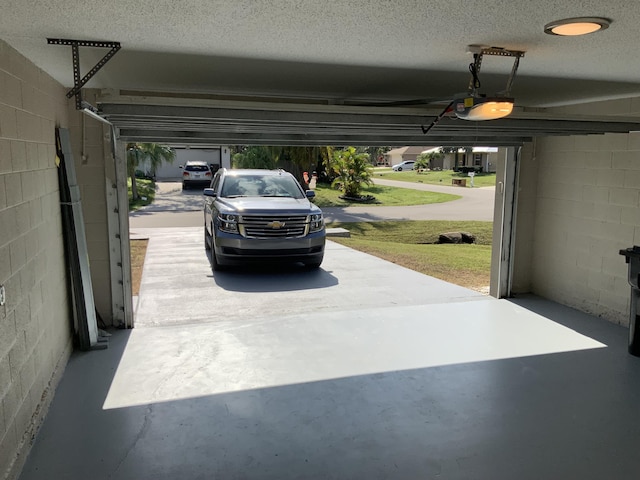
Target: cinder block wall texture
579	206
35	331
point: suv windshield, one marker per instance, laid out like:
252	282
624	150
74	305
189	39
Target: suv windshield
261	186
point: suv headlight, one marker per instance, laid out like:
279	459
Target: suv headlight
315	222
228	222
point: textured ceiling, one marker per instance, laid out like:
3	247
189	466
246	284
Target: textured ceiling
337	51
393	49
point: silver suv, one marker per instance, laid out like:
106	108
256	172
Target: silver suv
261	215
195	173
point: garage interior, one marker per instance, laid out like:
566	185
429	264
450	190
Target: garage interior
545	389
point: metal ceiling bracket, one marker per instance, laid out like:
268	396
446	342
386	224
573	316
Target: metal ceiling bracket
478	52
75	45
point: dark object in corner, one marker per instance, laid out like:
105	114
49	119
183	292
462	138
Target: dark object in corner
456	237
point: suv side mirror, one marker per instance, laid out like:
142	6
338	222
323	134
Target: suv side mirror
209	192
310	194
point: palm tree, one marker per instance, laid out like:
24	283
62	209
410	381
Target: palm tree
352	170
139	152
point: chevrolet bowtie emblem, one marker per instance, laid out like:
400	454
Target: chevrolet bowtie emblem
275	224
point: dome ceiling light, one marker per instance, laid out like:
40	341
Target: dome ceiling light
478	107
571	27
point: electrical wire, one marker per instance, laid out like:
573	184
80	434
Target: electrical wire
474	74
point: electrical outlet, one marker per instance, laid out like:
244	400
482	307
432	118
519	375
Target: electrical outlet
2	296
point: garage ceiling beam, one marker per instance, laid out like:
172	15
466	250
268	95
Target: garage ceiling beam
527	129
240	114
234	138
286	124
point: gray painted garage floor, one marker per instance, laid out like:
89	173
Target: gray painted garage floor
360	370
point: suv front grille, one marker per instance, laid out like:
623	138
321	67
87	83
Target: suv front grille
273	226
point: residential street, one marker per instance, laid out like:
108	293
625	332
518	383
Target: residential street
174	207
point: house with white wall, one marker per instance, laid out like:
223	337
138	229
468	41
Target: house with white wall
484	159
217	157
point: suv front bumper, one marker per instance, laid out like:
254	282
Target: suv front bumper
235	249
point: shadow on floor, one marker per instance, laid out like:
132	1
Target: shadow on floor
563	415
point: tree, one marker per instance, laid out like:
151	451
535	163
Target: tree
352	170
424	159
305	159
376	154
140	152
256	157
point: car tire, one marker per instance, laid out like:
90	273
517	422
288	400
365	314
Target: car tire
399	169
215	266
184	186
207	240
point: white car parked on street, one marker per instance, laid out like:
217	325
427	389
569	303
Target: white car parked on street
406	165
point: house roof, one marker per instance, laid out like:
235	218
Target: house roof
475	150
407	151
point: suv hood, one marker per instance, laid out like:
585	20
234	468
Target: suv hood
269	204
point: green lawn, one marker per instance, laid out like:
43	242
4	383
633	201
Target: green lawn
146	191
411	244
387	196
442	177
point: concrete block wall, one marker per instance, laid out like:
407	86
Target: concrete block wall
35	330
582	196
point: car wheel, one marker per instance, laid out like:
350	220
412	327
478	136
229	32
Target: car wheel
399	169
207	245
215	266
184	186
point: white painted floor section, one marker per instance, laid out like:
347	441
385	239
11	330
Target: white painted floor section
223	357
360	370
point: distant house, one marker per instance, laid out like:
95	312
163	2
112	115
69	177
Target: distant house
483	159
403	154
480	158
214	156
